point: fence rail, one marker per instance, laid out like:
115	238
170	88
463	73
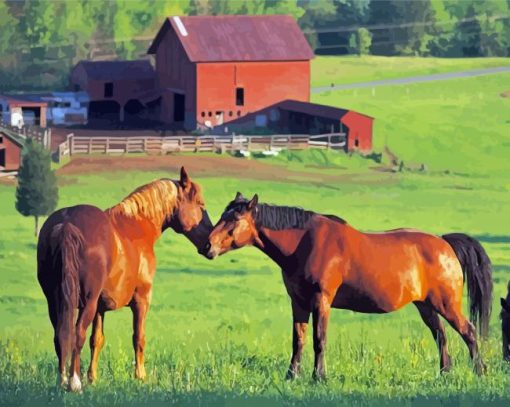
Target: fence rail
42	136
162	145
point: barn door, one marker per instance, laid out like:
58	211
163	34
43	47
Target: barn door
179	101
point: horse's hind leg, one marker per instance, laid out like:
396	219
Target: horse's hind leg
85	318
453	314
431	319
96	344
53	313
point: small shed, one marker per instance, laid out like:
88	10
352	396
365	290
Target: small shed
10	151
297	117
19	111
115	87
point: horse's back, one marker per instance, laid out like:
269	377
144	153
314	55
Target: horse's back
90	226
389	269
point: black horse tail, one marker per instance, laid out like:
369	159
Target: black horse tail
68	240
477	270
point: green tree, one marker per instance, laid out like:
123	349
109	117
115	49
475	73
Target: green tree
360	41
8	30
37	192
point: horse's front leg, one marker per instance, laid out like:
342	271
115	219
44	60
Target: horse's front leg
321	306
140	307
300	318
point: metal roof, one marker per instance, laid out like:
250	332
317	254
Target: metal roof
117	70
238	38
22	101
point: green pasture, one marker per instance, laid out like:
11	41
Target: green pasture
220	332
350	69
460	125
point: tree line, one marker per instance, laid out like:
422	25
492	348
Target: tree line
40	40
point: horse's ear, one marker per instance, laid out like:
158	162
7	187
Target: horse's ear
185	179
505	305
239	197
253	202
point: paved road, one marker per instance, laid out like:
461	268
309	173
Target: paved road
415	79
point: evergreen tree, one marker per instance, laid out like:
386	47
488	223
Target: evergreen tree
37	191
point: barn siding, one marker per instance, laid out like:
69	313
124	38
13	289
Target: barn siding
360	128
175	73
264	83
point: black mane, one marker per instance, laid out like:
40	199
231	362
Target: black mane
279	217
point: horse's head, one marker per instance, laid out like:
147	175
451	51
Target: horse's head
236	227
505	324
190	216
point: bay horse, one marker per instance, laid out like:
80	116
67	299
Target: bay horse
96	261
326	263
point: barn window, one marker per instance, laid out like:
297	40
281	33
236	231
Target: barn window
239	96
1	139
203	114
209	114
356	143
108	89
231	113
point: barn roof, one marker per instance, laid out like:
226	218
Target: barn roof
18	140
117	70
22	101
238	38
314	109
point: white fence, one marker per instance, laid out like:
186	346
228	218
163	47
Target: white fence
162	145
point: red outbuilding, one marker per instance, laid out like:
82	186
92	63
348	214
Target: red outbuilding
215	69
10	151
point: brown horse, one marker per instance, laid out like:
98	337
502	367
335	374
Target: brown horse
96	261
326	264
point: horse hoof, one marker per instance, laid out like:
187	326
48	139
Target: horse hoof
75	384
319	377
291	375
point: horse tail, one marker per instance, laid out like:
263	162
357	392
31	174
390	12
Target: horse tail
477	270
68	240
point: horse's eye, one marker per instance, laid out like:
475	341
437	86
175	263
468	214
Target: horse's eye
231	232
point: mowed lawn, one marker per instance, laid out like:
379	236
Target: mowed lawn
350	69
219	332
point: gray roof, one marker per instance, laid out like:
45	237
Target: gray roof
118	70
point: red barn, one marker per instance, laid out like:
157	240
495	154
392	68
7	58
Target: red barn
10	151
215	69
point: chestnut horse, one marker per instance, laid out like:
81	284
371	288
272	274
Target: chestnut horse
96	261
326	264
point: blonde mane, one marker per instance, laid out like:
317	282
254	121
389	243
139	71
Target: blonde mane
154	201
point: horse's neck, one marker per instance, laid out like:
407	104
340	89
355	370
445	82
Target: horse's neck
136	228
280	245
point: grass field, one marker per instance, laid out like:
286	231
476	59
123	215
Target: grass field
351	69
220	332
